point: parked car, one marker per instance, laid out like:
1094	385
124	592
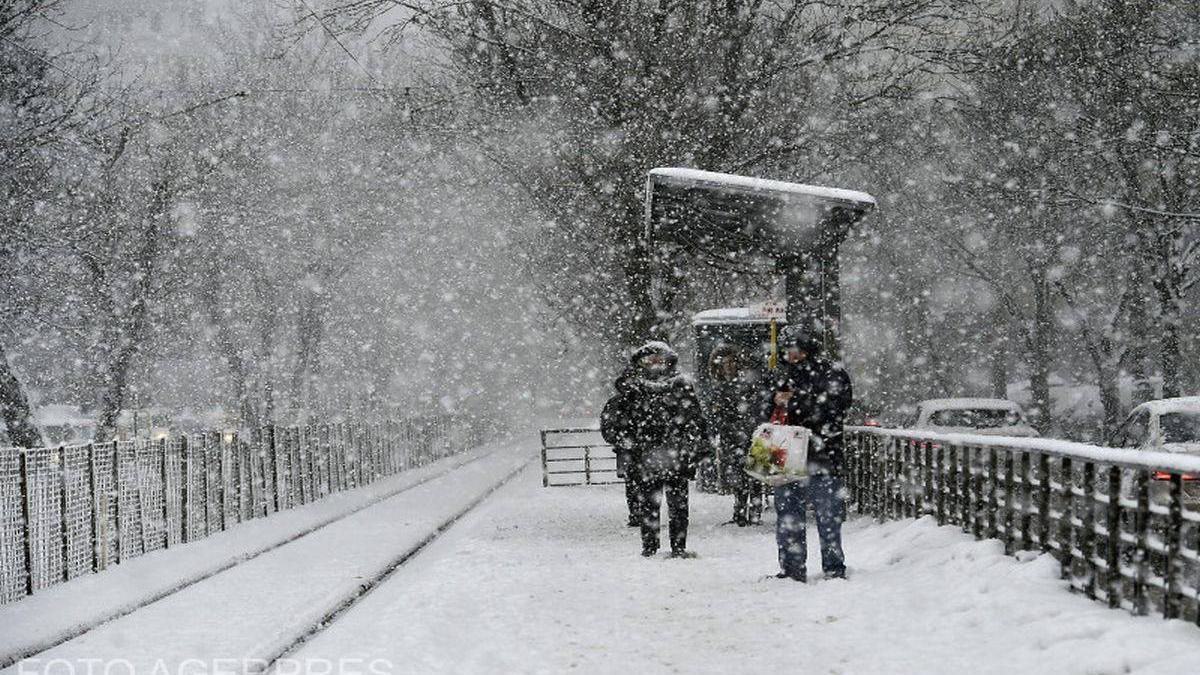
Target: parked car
986	416
1164	425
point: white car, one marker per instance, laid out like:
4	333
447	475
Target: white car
1164	425
986	416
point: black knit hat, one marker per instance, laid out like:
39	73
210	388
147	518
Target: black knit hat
654	347
805	341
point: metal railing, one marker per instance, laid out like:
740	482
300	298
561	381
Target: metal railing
1123	524
75	510
577	456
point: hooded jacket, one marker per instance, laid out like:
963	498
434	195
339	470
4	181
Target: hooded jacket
656	419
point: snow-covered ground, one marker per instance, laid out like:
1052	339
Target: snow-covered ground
541	580
251	611
64	610
549	581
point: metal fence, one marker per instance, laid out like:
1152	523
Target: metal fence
577	456
1123	524
74	510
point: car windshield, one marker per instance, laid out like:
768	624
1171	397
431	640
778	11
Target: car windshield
975	418
1180	427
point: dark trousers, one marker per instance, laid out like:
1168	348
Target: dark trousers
791	505
748	504
633	496
627	470
676	488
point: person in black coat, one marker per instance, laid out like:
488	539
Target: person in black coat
655	418
816	393
732	414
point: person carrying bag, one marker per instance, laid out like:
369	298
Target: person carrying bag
812	393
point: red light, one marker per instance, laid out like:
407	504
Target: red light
871	423
1164	475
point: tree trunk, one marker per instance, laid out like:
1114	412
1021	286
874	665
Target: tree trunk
266	341
643	323
133	332
14	408
310	326
998	360
228	348
1042	338
1168	282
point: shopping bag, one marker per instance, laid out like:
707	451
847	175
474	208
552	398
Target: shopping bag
778	454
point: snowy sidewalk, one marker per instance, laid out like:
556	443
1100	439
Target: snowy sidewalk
549	580
256	608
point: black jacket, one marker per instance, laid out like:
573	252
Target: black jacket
658	422
733	411
821	396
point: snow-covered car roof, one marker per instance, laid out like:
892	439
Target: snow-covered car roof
968	403
1170	405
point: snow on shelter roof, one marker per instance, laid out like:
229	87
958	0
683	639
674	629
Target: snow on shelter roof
724	214
735	182
727	315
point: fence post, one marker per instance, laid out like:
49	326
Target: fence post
235	473
939	497
166	505
63	523
1087	535
587	466
206	482
26	514
1174	527
360	454
95	524
1010	502
185	485
1026	503
979	503
908	493
1142	554
1044	492
273	456
119	549
992	505
885	476
302	471
1112	554
326	444
222	479
953	503
1066	479
876	481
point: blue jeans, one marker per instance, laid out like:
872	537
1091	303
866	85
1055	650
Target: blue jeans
791	505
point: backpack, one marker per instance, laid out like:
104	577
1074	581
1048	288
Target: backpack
614	423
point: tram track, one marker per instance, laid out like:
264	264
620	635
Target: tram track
37	648
268	665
